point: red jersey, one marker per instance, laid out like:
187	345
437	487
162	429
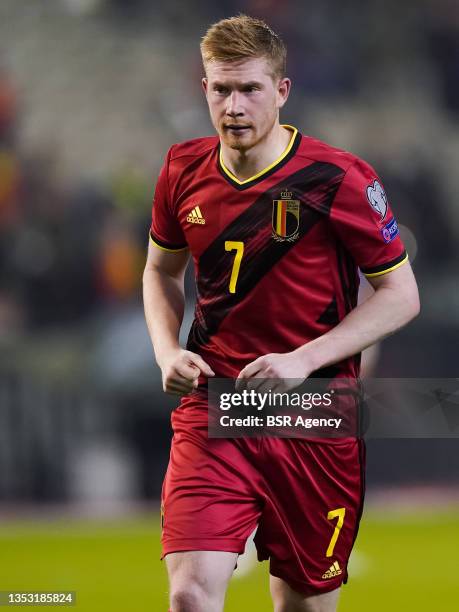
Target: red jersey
277	255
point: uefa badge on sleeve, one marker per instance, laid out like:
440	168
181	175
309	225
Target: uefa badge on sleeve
286	218
390	231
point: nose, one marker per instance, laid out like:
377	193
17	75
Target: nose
234	106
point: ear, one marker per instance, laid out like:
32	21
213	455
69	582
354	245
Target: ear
283	90
204	84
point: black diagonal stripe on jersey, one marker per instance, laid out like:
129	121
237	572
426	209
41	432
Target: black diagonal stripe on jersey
353	280
316	185
350	287
330	314
342	256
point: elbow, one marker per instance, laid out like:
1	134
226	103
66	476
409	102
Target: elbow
148	277
144	277
413	306
148	272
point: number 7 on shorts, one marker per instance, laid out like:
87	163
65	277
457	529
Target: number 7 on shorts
338	513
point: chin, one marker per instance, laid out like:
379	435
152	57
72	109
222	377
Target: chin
239	144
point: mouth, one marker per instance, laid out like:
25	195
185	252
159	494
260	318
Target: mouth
237	129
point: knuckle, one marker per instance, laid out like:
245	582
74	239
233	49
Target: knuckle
168	378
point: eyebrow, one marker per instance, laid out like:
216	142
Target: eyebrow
242	85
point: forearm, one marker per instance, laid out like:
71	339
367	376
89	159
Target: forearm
164	304
378	317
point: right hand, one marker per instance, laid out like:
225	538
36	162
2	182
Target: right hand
181	370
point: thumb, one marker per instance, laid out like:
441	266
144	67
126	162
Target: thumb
198	361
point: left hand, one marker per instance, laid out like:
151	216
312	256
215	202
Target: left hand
276	372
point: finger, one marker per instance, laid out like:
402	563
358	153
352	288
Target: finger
275	388
283	385
175	377
175	389
250	370
241	381
240	384
174	392
178	389
254	383
187	371
180	383
204	367
266	385
190	385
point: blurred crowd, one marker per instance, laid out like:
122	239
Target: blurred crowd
65	250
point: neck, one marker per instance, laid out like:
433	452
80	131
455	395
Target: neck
244	164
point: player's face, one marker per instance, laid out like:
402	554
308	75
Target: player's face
244	100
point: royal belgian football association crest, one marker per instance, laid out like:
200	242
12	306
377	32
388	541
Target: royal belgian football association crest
286	218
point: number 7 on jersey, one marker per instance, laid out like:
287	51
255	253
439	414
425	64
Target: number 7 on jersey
231	245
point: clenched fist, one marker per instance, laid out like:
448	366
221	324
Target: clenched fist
181	370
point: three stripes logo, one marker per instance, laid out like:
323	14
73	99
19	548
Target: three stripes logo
334	570
195	216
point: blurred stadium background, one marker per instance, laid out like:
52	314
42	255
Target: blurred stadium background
92	94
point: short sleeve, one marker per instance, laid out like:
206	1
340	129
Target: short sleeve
363	220
165	230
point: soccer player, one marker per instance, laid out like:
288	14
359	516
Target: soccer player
277	224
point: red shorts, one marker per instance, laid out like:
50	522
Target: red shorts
305	496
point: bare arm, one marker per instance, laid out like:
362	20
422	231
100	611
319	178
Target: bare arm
164	297
394	303
164	304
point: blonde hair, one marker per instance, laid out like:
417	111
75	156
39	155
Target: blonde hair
244	37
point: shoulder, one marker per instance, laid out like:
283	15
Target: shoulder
322	152
185	160
198	147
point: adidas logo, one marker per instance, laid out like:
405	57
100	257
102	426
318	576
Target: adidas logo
195	216
334	570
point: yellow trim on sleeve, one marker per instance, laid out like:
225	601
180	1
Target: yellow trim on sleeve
158	246
400	263
278	160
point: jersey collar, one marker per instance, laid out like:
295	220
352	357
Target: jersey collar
256	178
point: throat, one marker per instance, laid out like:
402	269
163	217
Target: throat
245	165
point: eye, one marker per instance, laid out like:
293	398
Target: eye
251	88
220	89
